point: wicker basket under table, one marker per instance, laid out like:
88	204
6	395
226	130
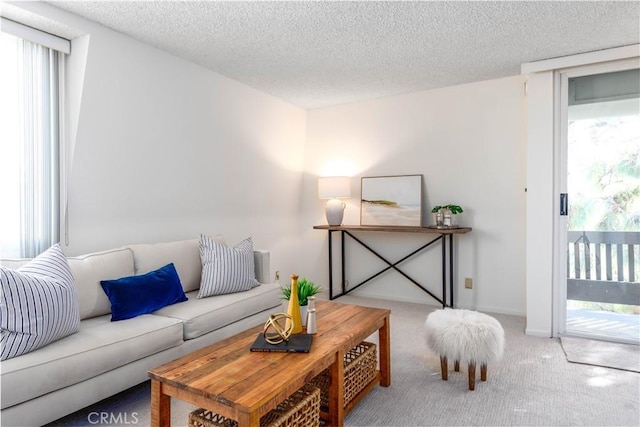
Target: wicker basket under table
360	365
301	409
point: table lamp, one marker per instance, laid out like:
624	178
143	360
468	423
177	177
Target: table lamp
334	188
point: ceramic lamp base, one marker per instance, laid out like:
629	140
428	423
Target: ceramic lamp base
335	211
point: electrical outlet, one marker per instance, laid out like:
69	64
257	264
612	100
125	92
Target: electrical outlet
277	275
468	282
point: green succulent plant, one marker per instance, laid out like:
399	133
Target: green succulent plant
455	209
306	289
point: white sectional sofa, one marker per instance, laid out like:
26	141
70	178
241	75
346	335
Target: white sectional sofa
106	357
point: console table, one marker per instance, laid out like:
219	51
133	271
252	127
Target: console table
350	230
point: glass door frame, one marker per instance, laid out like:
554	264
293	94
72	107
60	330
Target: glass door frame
561	125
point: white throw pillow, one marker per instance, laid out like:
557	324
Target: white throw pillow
39	304
226	270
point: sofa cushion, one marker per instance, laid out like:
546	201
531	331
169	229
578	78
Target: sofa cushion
99	346
184	254
38	304
135	295
14	263
88	270
201	316
226	270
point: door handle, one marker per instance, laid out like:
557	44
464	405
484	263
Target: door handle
564	204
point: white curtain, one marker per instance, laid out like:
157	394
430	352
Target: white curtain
39	139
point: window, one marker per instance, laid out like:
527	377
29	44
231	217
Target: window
30	78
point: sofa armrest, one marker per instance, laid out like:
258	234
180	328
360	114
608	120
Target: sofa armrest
261	259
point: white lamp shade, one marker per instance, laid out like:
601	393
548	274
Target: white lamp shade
334	187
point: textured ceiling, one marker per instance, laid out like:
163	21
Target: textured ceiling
316	54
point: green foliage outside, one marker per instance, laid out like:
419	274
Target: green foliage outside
604	174
604	182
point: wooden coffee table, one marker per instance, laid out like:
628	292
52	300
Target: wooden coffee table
232	381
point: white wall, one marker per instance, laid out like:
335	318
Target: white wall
166	149
469	142
540	203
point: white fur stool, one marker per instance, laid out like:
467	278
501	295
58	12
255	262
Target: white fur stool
464	336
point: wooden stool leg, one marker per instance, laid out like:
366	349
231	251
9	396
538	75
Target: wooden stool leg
456	366
472	376
483	372
444	368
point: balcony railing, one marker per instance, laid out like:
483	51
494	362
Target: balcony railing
604	266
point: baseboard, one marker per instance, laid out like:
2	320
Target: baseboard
374	295
483	309
537	333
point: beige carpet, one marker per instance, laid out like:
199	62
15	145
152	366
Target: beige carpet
533	385
601	353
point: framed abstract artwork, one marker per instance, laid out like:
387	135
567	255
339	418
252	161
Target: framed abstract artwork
391	200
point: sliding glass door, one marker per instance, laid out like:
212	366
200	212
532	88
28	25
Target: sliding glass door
600	204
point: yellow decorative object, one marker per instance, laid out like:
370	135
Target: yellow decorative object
293	309
281	325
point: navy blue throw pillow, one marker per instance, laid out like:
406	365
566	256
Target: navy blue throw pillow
135	295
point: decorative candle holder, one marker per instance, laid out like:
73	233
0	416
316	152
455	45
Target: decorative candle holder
312	328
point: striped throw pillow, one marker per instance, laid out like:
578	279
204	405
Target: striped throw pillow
226	270
39	304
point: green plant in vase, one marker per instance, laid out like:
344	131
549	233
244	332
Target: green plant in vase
306	289
444	215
